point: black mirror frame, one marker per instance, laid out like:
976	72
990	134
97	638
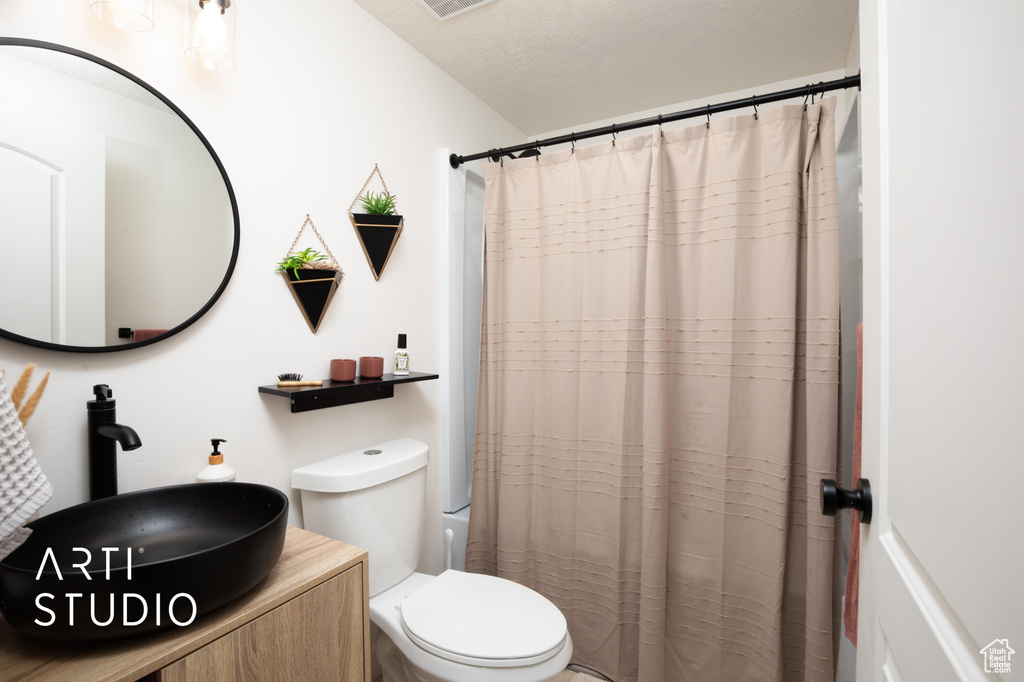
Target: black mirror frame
25	42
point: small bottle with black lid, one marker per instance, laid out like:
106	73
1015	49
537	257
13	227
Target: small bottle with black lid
401	357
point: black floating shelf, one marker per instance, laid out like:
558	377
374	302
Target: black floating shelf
334	393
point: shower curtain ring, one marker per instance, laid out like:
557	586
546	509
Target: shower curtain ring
753	101
660	129
572	139
613	134
708	124
806	96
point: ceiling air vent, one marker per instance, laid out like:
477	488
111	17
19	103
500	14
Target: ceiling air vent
446	9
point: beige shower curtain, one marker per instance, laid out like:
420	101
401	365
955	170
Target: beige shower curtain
659	384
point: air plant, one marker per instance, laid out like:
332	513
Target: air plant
307	259
379	204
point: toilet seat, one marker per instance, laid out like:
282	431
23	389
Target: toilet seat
482	620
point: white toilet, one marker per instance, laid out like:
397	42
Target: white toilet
456	627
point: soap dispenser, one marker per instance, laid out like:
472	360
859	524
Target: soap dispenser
217	471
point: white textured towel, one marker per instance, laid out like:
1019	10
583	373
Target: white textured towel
23	487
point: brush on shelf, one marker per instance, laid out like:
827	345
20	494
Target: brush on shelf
293	379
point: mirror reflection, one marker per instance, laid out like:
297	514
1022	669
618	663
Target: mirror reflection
117	221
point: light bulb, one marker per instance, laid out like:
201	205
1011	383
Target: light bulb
210	25
210	34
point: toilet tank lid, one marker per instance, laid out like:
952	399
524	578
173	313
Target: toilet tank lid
362	468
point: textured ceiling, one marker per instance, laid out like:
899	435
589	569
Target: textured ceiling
86	71
551	64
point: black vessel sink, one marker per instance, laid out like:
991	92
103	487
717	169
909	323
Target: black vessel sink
142	561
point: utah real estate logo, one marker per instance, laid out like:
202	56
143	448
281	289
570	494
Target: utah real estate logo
997	656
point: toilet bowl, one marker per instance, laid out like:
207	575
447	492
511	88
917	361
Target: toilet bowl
456	627
463	627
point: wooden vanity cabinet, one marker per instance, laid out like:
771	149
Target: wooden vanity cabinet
308	621
303	639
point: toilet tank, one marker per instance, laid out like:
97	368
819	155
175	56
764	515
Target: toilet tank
372	498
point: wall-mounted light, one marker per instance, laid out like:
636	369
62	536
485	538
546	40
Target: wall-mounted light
131	15
210	34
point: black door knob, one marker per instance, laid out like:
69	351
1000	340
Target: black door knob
834	498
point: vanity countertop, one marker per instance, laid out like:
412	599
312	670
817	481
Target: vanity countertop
306	561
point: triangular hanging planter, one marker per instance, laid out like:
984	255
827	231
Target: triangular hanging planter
378	233
312	278
313	292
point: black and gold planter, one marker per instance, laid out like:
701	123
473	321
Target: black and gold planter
378	235
313	290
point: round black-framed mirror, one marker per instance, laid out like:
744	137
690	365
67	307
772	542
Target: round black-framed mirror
104	169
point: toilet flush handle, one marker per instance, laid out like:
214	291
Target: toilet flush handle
449	543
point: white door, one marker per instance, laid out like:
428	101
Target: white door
52	223
942	594
31	238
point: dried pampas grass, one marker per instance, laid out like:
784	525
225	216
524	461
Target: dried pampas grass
21	389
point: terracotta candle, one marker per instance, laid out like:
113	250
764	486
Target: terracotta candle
371	367
343	370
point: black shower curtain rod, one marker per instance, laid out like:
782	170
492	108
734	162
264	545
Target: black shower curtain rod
806	91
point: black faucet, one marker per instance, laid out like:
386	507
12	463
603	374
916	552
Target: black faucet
103	433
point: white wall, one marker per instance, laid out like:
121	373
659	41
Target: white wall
318	97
